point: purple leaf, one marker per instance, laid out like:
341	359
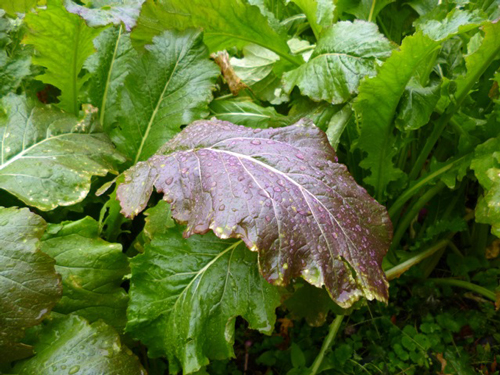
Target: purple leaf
282	192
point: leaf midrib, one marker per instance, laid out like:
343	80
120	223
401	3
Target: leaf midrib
158	104
108	79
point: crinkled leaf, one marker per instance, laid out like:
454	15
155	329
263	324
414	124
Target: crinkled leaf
70	345
15	60
345	53
205	284
281	191
12	71
226	23
29	286
170	85
115	11
454	22
416	105
91	269
486	166
63	42
48	157
245	112
109	67
377	103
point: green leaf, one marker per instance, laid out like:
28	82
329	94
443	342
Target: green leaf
70	345
63	42
12	71
12	7
486	166
91	269
48	157
245	112
170	85
457	21
377	103
363	9
114	11
109	67
319	13
311	303
29	286
256	64
15	60
226	24
478	61
205	284
416	105
345	53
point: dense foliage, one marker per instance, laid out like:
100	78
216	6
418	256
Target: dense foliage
199	186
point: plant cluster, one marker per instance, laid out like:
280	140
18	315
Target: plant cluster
178	178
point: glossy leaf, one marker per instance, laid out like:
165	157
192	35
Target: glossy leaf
109	67
282	192
345	53
91	269
48	157
205	284
63	42
377	138
170	85
226	24
70	345
29	286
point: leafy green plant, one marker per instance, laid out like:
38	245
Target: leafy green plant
186	217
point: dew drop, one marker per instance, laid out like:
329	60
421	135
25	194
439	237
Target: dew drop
169	180
300	156
255	142
222	207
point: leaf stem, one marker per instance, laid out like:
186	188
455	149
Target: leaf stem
395	272
413	211
372	10
466	285
403	198
334	328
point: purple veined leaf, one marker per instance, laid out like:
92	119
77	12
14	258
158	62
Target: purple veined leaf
282	192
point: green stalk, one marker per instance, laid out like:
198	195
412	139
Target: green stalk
466	285
469	81
395	272
413	211
407	194
334	328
